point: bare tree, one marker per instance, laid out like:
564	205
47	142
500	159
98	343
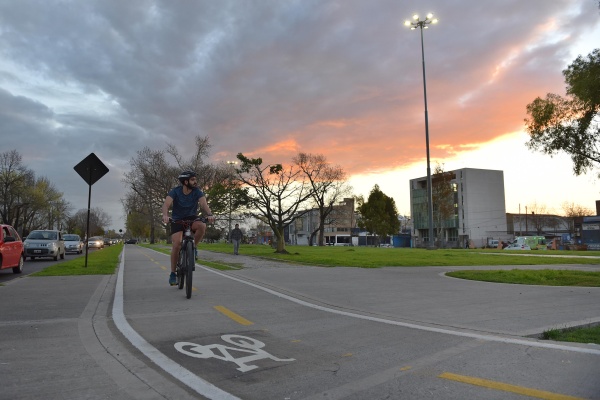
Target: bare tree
275	193
149	181
15	180
328	187
99	221
572	211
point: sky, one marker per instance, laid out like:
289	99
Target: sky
271	78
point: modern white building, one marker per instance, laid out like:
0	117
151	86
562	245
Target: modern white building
479	210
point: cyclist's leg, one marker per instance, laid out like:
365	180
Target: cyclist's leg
199	229
175	247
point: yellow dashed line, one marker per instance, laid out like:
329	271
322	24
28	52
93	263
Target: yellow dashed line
237	318
405	368
540	394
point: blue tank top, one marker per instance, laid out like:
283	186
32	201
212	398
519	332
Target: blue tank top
184	205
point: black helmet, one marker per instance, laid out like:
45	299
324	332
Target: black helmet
185	175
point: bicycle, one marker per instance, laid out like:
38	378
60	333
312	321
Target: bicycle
186	262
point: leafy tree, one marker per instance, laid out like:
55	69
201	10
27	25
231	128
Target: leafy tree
570	124
328	187
275	193
379	214
442	194
137	225
230	199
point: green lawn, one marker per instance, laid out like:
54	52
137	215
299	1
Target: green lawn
589	334
374	257
100	262
547	277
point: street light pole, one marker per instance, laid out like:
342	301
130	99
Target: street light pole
422	24
231	163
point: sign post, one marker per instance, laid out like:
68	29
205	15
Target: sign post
91	169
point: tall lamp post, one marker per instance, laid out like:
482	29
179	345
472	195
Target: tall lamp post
232	164
423	24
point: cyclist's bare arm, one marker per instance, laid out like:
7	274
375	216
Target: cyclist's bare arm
206	209
165	209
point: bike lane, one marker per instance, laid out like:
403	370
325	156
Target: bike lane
234	340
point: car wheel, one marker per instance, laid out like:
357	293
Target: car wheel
56	257
62	255
19	268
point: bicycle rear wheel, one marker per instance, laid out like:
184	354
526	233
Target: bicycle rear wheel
190	260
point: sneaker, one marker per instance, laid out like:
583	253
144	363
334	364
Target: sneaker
172	279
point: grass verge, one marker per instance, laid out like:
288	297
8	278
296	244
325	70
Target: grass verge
578	335
100	262
546	277
375	257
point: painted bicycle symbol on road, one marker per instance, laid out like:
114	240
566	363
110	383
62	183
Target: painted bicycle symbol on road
245	344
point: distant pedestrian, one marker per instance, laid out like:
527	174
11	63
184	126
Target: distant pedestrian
236	238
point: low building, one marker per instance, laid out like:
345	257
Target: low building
477	211
339	225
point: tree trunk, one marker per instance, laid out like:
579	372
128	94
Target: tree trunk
280	242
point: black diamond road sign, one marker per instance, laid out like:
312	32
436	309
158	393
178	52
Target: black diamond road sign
91	169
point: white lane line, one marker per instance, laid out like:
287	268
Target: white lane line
491	338
178	372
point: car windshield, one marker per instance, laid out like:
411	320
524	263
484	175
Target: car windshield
42	235
72	238
94	239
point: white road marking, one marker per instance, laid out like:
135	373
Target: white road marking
490	338
180	373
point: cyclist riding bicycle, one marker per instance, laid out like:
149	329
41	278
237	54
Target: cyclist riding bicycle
185	200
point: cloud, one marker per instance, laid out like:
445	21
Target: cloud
272	78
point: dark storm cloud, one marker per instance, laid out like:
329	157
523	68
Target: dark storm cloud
341	78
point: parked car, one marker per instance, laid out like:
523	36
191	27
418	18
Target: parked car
131	241
517	246
96	242
73	243
11	249
107	242
45	243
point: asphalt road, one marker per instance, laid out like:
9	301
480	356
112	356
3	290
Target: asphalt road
280	331
289	332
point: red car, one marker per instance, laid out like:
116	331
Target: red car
11	249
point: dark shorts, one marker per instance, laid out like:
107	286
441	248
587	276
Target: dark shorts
178	227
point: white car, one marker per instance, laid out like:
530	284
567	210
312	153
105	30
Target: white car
516	246
73	243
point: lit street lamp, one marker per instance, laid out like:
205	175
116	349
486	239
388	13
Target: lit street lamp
414	24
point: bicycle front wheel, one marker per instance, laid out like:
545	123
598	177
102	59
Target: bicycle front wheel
190	260
181	269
